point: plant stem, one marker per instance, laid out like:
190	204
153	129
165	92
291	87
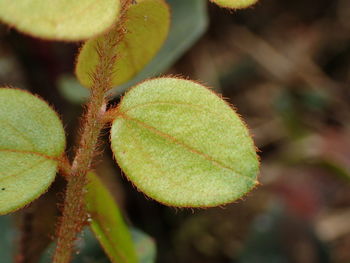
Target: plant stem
74	214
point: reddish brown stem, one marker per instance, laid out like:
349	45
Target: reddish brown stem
74	214
110	115
74	209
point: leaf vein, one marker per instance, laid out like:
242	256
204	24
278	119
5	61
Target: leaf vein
33	153
20	133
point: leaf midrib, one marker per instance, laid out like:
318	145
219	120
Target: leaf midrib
184	145
199	108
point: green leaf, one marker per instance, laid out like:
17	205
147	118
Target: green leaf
234	4
182	145
146	28
60	19
32	141
181	38
107	222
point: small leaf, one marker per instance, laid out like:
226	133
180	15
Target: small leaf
60	19
146	28
32	140
235	4
107	222
182	145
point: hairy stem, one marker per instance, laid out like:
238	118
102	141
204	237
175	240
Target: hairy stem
74	214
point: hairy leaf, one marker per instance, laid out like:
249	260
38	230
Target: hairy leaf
107	222
60	19
146	28
182	145
234	4
31	142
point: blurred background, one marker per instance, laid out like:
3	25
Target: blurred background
285	66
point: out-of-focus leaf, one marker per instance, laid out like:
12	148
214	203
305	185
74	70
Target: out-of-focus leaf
90	251
182	145
276	237
10	67
37	228
60	19
336	168
189	20
72	90
32	140
286	107
107	223
145	30
145	245
263	244
234	4
6	240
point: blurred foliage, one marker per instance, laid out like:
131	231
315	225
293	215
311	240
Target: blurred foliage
90	251
146	247
7	239
275	237
72	90
61	19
